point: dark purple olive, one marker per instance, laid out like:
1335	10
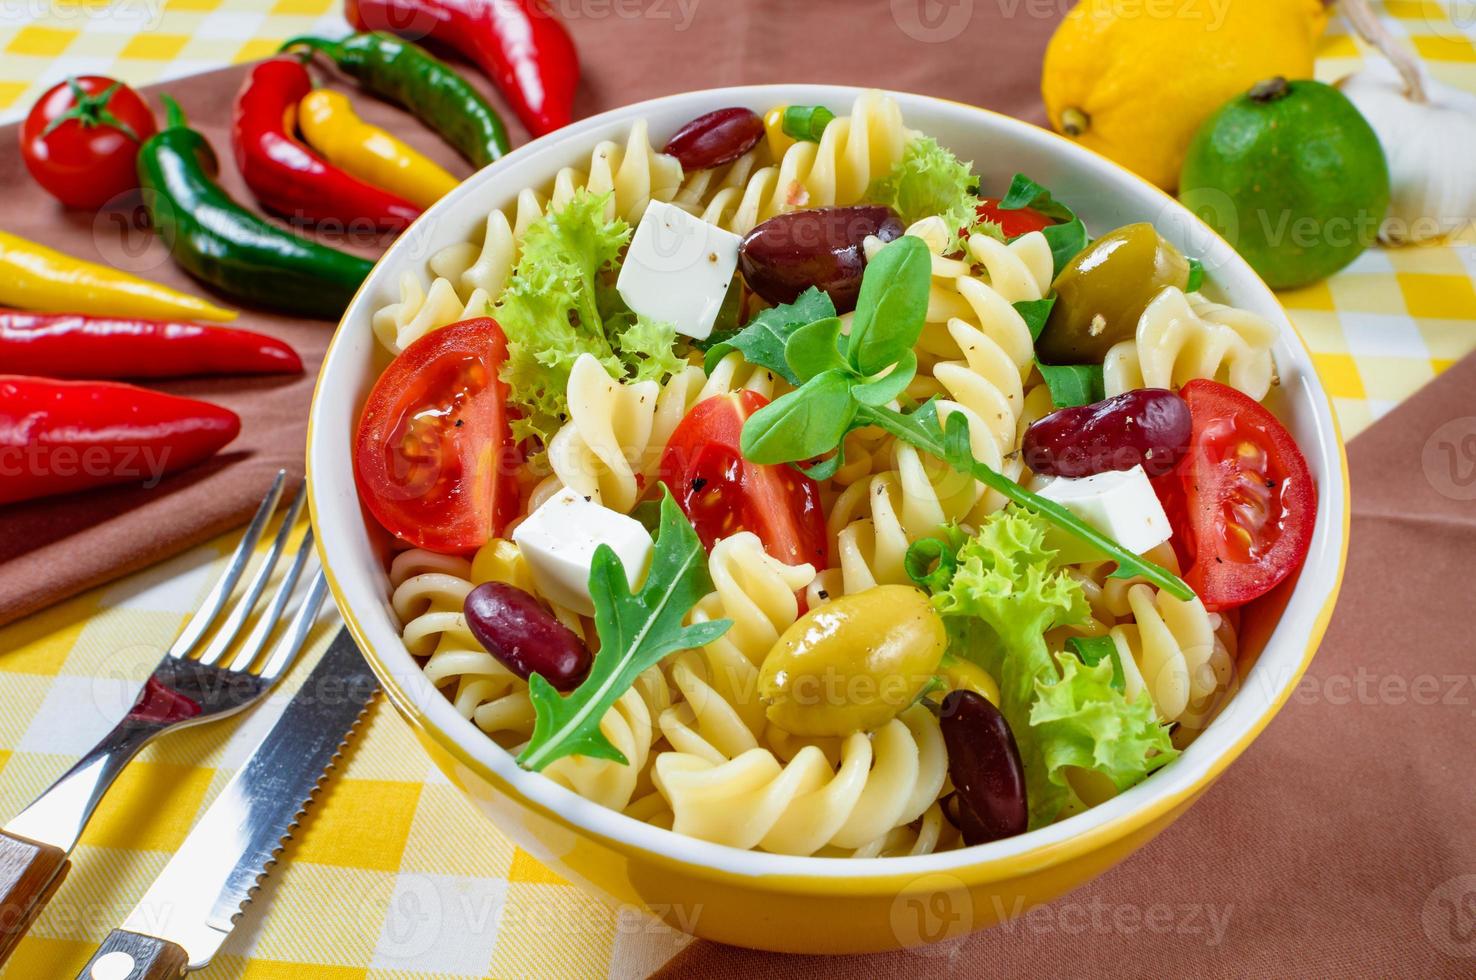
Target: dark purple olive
1148	427
791	252
984	764
525	637
719	137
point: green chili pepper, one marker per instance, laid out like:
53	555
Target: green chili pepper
407	74
221	243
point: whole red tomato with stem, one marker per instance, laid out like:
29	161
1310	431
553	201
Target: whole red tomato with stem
722	493
434	457
81	139
1242	503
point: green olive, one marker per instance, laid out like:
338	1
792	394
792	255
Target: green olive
1102	293
853	664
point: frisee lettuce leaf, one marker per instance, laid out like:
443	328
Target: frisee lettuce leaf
636	630
1005	580
560	302
929	180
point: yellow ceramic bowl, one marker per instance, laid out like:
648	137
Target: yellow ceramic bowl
820	905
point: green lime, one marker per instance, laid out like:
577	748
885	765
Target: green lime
1291	175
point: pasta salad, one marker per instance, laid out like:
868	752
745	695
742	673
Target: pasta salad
790	490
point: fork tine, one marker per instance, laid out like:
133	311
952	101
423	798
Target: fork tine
220	644
221	591
290	645
257	641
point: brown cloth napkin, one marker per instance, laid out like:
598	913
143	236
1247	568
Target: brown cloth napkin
1343	842
984	53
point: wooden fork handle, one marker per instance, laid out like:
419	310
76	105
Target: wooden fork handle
134	956
29	875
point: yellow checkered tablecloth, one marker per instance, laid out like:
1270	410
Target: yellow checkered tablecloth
394	874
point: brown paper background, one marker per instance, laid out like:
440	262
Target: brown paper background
987	53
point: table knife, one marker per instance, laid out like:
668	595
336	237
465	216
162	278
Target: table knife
182	920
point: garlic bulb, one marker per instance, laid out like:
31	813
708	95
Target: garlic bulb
1430	147
1427	130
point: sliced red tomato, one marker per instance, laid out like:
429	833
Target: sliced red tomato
722	493
1242	502
434	455
1020	221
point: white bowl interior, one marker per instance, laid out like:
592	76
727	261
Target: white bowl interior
1103	194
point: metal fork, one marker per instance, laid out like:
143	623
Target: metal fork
190	685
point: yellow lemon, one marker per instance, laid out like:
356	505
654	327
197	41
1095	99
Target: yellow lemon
1134	79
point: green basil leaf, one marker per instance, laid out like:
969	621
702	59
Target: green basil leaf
881	390
1090	650
807	122
1035	312
1196	276
806	423
815	348
1073	384
892	305
762	341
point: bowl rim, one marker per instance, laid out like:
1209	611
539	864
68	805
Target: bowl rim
1132	810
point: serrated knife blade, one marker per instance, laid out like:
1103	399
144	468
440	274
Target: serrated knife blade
185	916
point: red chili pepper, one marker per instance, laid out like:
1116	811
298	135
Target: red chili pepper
69	345
285	175
60	436
519	44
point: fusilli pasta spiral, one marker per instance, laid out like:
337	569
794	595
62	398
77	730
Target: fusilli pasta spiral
1180	338
885	780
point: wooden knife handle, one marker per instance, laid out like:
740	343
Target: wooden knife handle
29	875
133	956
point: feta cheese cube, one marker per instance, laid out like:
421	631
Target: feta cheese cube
678	269
558	540
1119	503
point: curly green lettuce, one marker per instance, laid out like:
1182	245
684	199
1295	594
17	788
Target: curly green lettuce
1007	590
560	302
929	180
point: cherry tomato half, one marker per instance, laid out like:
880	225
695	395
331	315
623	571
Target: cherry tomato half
434	455
722	493
1242	502
1021	221
81	139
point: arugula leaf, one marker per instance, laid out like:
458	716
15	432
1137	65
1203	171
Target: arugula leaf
636	630
883	388
892	305
762	341
1196	276
1069	384
808	422
1073	384
1092	650
1067	237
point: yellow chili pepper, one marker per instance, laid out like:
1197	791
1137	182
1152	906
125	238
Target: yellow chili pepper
34	277
331	127
779	140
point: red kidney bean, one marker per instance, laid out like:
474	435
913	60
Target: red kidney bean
822	247
984	764
719	137
525	637
1149	426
